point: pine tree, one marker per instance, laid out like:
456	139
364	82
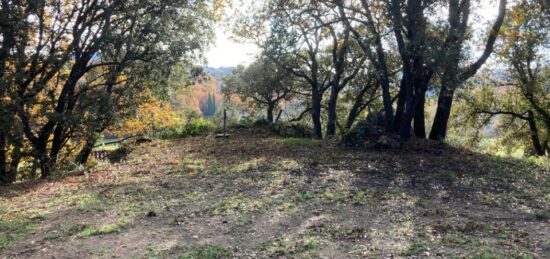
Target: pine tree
208	110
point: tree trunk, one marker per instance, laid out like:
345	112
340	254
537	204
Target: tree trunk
419	116
8	171
279	115
3	159
354	112
57	143
316	114
539	150
400	105
86	151
14	163
45	167
41	154
441	120
388	108
332	115
270	109
406	107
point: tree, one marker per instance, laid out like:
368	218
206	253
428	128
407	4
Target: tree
454	74
263	82
377	58
428	47
73	65
306	39
524	93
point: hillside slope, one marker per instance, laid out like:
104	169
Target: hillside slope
257	195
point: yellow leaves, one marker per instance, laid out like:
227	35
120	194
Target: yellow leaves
151	115
220	6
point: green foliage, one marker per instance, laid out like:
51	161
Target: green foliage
105	229
263	83
195	127
261	123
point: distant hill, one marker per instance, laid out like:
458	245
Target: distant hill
219	72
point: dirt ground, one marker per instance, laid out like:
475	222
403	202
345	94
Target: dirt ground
256	195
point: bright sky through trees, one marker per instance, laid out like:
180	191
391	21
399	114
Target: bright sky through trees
228	53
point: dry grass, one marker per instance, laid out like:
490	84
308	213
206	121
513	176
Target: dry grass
255	195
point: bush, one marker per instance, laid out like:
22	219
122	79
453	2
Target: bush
261	123
372	126
289	130
193	128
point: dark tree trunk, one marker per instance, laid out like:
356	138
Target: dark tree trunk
4	179
388	107
419	120
354	112
86	151
332	115
401	96
45	167
8	171
405	106
407	117
539	149
57	143
279	115
441	120
316	114
270	109
41	154
419	116
14	164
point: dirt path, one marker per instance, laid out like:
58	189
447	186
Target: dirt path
255	195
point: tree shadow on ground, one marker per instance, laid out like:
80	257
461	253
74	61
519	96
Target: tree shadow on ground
258	195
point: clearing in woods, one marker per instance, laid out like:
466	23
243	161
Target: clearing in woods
257	195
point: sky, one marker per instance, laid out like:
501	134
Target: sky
227	53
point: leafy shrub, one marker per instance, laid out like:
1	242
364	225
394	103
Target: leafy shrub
372	126
194	127
289	130
261	123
